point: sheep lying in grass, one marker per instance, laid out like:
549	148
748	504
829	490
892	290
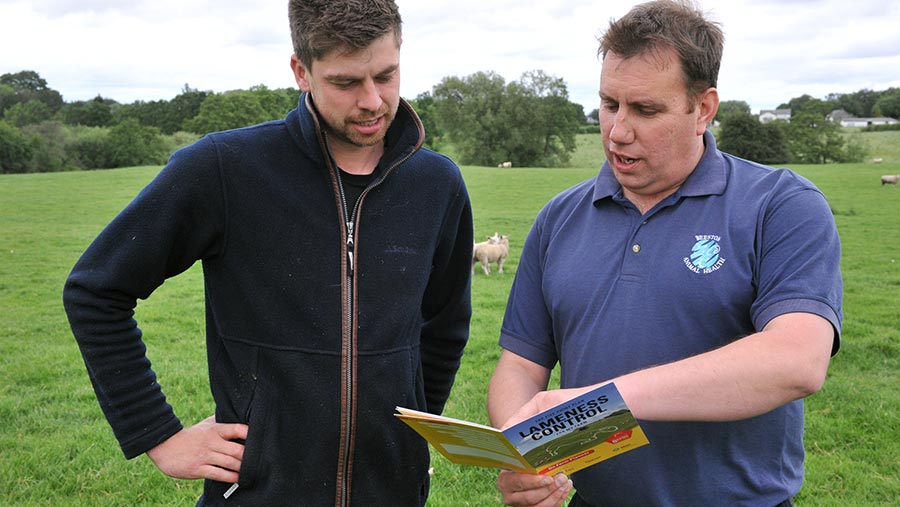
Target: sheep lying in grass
495	249
890	179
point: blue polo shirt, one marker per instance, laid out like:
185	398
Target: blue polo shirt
604	291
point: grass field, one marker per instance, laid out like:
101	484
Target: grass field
56	449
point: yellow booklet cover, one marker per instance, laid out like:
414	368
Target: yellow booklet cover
566	438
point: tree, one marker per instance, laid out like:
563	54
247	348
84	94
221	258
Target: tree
743	135
812	139
168	116
87	147
229	110
97	112
185	106
49	140
426	108
469	110
530	122
130	143
8	98
549	138
727	107
28	113
275	103
808	104
155	113
15	150
29	85
888	104
859	103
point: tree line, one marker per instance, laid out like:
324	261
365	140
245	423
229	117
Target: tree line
809	137
482	118
530	122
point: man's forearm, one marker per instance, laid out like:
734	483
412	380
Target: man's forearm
514	383
746	378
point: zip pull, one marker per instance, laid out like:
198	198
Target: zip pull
350	245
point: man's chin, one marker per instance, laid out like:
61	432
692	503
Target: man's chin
351	136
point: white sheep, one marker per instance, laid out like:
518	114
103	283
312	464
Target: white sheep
495	249
877	160
890	179
504	165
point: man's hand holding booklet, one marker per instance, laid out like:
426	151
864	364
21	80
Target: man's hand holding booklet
566	438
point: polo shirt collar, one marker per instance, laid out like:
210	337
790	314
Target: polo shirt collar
708	178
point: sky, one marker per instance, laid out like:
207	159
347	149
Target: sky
775	50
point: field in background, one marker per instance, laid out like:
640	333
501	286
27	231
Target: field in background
56	449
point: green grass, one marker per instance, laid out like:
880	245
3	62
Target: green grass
56	449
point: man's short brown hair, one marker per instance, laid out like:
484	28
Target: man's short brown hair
675	24
321	26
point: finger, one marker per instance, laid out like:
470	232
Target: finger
524	489
218	474
225	461
232	449
233	431
534	490
515	482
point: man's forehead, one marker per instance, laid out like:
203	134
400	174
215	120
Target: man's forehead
658	57
380	53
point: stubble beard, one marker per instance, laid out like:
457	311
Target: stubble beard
348	134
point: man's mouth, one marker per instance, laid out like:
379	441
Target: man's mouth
368	126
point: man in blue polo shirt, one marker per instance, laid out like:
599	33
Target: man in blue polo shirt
705	286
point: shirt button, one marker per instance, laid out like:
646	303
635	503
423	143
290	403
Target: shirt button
636	248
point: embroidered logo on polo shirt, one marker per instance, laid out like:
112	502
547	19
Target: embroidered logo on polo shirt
705	254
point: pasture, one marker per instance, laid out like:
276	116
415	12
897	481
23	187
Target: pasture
56	448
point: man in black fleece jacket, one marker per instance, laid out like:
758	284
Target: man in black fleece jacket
336	256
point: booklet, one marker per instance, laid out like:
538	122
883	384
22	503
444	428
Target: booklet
566	438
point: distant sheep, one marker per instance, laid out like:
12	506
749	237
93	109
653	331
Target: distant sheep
877	160
504	165
495	249
890	179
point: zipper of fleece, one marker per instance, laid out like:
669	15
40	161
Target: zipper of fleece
349	354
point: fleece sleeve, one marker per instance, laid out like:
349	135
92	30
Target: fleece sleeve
174	221
447	307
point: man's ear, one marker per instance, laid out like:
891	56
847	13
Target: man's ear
301	73
708	107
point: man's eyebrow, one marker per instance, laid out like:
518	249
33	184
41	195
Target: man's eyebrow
340	76
389	69
636	104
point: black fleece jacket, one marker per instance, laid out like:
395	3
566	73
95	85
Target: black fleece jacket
315	329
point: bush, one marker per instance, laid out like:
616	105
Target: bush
130	144
49	143
86	148
881	128
178	140
15	150
742	135
28	113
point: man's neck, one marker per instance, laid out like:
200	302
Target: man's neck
356	159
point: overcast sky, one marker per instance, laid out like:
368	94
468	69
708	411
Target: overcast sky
774	49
